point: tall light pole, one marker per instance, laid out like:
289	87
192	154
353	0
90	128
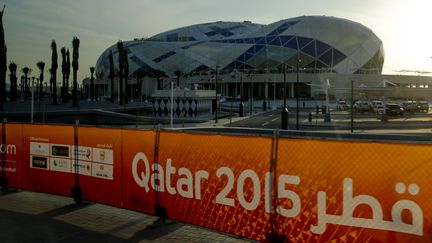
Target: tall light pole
250	94
284	113
216	96
352	106
32	100
297	95
172	105
234	94
241	106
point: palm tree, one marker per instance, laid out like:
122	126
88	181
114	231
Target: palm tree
92	88
41	66
178	73
68	67
13	81
63	88
121	66
126	75
3	65
26	72
111	75
54	66
75	55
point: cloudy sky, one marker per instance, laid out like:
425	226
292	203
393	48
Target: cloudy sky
30	25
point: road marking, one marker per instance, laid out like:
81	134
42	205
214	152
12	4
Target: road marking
266	123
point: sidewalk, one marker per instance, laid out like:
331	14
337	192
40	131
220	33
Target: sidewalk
38	217
83	105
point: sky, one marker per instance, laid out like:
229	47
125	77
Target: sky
30	25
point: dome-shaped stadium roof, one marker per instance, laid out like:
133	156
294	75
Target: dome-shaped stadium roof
207	31
321	43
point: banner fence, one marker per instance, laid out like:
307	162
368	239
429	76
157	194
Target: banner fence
261	188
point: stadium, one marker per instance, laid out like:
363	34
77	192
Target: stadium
248	60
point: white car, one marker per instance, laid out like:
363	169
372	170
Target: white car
341	105
377	107
361	106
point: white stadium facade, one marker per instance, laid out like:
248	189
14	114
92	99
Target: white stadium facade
248	59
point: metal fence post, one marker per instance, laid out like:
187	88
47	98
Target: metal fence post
273	235
3	179
76	191
159	210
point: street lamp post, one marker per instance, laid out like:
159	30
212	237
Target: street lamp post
40	95
216	96
234	94
284	113
250	94
241	106
352	106
172	105
32	100
297	95
327	117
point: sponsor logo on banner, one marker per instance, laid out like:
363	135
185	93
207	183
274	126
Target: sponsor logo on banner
39	149
84	153
39	162
102	171
10	169
103	156
84	168
60	151
59	164
8	149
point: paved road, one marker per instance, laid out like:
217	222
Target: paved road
339	120
38	217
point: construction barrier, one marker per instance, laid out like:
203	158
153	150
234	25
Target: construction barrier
261	188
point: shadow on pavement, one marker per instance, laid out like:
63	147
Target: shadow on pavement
19	227
155	232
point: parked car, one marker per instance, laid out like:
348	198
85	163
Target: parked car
410	106
341	105
394	109
377	107
361	106
423	106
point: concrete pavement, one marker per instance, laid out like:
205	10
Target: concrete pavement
38	217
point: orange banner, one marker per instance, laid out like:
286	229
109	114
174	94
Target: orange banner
138	153
216	181
12	151
301	190
99	160
46	159
355	191
322	190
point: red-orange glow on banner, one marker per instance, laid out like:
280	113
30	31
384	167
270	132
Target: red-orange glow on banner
314	190
46	159
357	191
138	153
12	149
99	160
219	178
